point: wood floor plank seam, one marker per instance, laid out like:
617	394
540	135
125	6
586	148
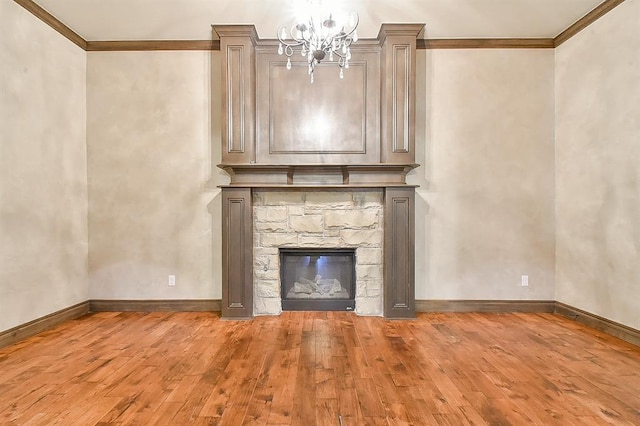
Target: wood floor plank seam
320	367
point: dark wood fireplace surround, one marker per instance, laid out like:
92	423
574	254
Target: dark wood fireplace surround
366	140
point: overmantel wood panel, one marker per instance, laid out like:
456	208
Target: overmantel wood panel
398	114
328	121
315	132
239	91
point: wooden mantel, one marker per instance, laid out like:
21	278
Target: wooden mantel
371	175
274	117
281	131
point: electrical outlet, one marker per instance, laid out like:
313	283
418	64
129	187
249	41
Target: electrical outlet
172	280
525	281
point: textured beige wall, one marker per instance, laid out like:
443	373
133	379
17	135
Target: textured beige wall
485	209
151	180
485	206
43	173
598	167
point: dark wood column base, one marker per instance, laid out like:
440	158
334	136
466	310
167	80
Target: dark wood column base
399	253
237	253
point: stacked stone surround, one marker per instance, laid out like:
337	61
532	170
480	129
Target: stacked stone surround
318	219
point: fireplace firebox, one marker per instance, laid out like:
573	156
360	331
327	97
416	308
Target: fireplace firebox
317	279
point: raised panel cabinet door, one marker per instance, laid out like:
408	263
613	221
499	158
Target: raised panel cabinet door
399	253
237	253
237	44
398	114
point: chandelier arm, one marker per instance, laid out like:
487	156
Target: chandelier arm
288	45
341	57
296	42
317	41
355	26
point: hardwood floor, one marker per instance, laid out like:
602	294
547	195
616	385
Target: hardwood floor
322	368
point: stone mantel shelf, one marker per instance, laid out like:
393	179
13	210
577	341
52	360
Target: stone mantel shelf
311	175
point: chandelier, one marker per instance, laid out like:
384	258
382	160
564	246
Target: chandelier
322	34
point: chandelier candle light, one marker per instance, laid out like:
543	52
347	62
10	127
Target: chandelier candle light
323	33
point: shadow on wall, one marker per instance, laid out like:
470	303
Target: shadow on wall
218	176
215	210
421	175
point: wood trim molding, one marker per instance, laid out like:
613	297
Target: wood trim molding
588	19
142	45
180	305
31	328
532	306
350	175
468	43
237	253
486	43
399	253
612	328
53	22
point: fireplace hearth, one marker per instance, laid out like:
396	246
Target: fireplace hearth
317	279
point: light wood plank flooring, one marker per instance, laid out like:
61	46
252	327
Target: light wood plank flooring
322	368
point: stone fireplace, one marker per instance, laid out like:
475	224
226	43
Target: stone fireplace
312	220
318	167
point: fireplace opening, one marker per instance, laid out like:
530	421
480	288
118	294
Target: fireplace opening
318	279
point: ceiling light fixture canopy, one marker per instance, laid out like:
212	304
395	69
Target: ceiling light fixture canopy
323	33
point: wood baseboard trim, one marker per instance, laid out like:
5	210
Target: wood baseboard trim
190	305
534	306
612	328
31	328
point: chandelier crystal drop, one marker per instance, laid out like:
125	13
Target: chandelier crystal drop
322	34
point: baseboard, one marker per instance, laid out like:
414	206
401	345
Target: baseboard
623	332
612	328
191	305
31	328
533	306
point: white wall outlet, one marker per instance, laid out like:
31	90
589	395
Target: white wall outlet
525	281
172	280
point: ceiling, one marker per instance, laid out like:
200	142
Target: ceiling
101	20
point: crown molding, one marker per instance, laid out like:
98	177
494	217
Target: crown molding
486	43
588	19
138	45
469	43
53	22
